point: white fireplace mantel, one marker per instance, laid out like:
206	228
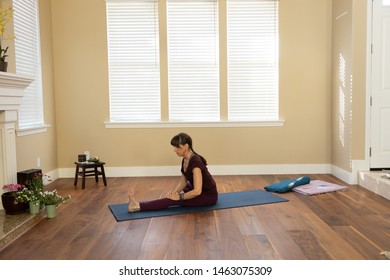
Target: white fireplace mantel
11	90
11	94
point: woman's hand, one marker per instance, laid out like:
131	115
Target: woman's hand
173	196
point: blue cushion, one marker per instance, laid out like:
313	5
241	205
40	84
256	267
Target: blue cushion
288	185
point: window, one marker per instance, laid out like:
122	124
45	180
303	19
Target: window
28	61
193	71
182	81
134	63
252	32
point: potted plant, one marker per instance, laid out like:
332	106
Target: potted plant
37	182
32	193
8	198
94	160
52	199
6	14
32	197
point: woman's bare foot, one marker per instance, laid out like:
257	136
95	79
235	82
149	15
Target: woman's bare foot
133	205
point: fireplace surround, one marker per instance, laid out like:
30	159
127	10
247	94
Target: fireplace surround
11	94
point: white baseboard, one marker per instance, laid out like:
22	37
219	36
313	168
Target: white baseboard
53	175
152	171
352	177
269	169
134	171
342	174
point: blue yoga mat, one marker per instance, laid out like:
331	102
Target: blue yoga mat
225	200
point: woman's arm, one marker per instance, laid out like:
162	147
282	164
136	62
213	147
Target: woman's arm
174	195
193	193
181	185
197	173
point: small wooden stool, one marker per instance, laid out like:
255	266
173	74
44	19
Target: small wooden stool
86	169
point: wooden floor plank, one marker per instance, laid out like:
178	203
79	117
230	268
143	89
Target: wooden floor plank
337	247
259	248
206	240
229	236
278	235
309	244
129	244
157	239
182	234
359	242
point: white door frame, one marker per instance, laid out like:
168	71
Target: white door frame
368	83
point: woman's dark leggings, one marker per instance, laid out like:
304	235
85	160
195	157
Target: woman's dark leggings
162	203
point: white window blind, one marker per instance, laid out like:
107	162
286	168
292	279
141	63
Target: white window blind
28	61
134	66
193	66
252	34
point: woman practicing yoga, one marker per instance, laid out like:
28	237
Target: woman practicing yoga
196	187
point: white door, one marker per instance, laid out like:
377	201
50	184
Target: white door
380	86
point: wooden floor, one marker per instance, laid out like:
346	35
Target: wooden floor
354	224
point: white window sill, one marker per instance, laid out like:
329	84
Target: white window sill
32	130
193	124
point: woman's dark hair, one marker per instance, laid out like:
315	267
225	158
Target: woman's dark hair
182	139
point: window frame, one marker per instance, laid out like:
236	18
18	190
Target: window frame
164	118
36	73
132	53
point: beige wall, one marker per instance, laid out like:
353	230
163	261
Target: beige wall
78	109
348	82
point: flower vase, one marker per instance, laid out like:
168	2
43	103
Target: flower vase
34	206
51	211
11	206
